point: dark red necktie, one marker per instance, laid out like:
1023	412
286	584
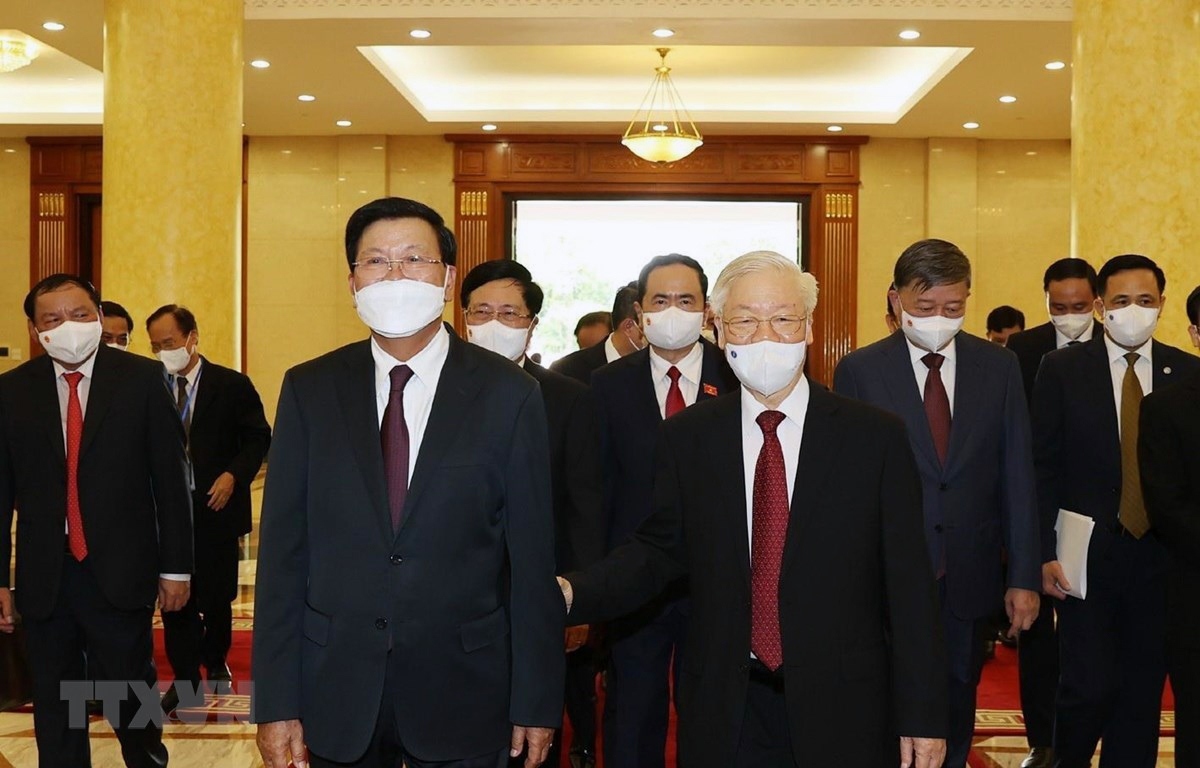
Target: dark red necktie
394	437
769	531
937	405
675	402
75	537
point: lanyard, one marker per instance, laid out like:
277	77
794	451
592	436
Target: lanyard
187	404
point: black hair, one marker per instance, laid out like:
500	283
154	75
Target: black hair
891	312
929	263
183	317
54	283
113	309
594	318
503	269
1128	262
1003	317
667	260
1193	306
1069	269
623	304
398	208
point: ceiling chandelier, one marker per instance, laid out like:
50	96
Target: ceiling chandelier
15	54
661	130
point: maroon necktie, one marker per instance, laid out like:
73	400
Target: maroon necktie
770	522
75	538
937	405
394	437
675	402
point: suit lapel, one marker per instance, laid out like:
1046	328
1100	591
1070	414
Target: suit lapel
1106	408
643	389
206	389
726	454
819	453
43	397
897	374
969	384
1165	361
100	394
356	396
712	379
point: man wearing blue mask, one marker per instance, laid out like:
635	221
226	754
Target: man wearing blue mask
405	608
762	499
1086	407
633	395
963	402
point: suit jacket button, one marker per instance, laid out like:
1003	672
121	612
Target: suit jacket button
380	623
396	559
938	528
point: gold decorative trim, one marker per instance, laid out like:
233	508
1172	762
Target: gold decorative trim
839	205
473	203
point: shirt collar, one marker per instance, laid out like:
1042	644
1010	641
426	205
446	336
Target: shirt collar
193	374
86	367
426	365
1117	352
1061	339
689	367
950	351
611	352
794	406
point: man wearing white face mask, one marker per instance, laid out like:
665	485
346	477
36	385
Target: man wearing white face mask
1086	406
92	456
405	606
962	400
633	395
759	498
501	303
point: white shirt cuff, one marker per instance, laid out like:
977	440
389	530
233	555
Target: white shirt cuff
175	576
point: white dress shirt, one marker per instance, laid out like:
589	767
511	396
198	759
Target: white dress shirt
193	380
610	350
1061	339
790	432
1144	370
690	369
426	366
949	352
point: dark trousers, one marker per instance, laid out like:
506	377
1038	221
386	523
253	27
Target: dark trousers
1183	661
202	631
1037	654
580	701
764	740
965	645
1113	657
386	749
640	673
119	647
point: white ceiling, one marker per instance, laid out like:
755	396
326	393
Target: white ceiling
582	66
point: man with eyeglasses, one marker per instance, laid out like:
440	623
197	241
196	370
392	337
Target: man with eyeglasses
964	404
406	609
633	396
763	499
501	303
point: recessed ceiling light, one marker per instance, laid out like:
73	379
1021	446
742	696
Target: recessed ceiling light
344	123
909	34
663	32
260	63
54	26
306	97
420	34
1031	153
1053	65
9	150
377	146
970	126
1007	99
488	126
834	129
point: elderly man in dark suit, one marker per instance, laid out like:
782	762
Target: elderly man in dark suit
968	423
92	456
405	606
761	498
228	437
625	339
501	303
1086	407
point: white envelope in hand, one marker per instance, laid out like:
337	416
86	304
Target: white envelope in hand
1074	537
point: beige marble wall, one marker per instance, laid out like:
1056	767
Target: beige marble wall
1005	203
14	249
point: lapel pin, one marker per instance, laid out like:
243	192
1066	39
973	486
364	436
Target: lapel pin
710	390
1167	370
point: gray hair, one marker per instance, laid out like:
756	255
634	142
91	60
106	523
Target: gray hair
928	263
764	261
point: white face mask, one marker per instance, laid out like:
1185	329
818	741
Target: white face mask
1131	326
500	338
122	347
72	342
930	333
397	309
672	328
174	360
1072	326
766	366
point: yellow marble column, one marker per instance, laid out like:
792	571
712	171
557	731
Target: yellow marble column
1136	141
172	164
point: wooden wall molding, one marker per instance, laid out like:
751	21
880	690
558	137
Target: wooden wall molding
489	172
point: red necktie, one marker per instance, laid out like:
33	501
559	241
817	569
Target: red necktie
675	402
75	537
394	438
937	405
770	522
